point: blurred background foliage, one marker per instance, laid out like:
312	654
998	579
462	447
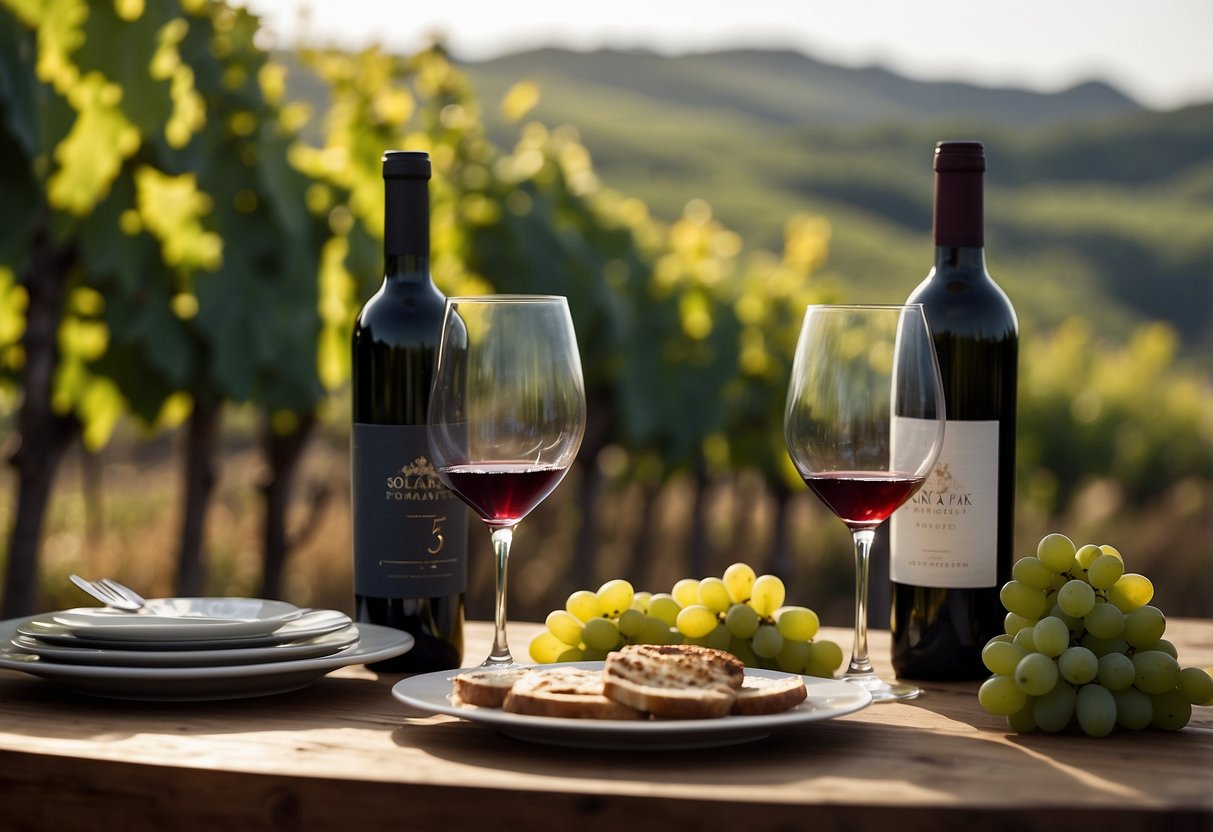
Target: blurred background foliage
191	224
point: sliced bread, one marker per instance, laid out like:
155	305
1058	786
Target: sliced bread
764	695
676	681
565	692
486	688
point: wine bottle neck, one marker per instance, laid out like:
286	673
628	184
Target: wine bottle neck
963	259
406	218
406	269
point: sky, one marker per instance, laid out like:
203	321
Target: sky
1160	52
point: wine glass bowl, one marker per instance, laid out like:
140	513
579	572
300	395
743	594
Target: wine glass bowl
507	414
864	424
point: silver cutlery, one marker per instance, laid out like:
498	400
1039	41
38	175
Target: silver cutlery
111	593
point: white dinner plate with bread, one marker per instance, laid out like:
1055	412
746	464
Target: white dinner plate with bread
568	704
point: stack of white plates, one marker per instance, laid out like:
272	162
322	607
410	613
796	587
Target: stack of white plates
192	648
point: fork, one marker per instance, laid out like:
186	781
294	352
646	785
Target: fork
111	593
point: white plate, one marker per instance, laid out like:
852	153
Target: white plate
180	619
827	698
189	684
310	624
308	648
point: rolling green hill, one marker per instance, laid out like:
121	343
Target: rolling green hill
1095	206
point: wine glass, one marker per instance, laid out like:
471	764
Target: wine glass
864	423
506	415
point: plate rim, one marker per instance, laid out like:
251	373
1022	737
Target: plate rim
384	640
725	727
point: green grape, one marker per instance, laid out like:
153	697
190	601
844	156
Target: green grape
999	695
565	626
640	601
1024	640
742	650
1056	551
1104	620
1021	599
591	654
1051	636
826	654
1105	571
1096	710
631	622
1131	591
1171	710
767	595
1112	551
1013	623
600	634
695	621
739	580
1144	626
1134	709
713	594
1054	710
820	671
583	604
1086	555
1104	646
1168	648
1195	685
741	621
1155	672
793	657
656	631
1023	721
766	642
686	592
1076	598
1116	671
1073	625
1032	572
1078	665
1002	657
797	623
662	605
547	648
1036	674
718	638
1059	581
614	597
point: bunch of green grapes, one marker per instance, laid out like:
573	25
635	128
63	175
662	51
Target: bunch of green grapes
1083	646
740	612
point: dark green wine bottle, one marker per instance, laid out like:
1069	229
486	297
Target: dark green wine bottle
951	544
410	532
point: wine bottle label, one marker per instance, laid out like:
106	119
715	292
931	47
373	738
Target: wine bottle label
946	534
410	531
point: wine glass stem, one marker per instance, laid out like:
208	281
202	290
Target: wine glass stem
502	538
863	552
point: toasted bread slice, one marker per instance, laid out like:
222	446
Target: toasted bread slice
565	692
486	688
676	681
764	695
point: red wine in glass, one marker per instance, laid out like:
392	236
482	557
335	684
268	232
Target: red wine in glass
863	499
502	493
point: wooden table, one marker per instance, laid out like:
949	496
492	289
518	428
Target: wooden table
343	754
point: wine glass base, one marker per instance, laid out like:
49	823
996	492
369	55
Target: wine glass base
881	690
501	663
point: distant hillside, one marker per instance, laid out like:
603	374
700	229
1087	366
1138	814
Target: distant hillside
781	87
1096	206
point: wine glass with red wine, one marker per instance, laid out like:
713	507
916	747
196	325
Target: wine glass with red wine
506	416
864	424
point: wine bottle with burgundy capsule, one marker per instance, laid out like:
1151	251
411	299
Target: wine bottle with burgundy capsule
410	531
951	544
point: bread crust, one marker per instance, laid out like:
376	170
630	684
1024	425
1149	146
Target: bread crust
566	692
